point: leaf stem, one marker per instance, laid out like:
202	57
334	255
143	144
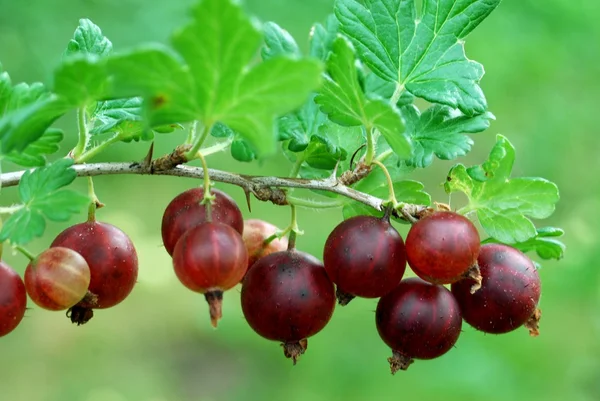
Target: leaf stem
370	153
397	93
93	152
384	155
208	198
312	204
198	141
297	165
390	182
25	252
192	132
94	202
11	209
219	147
82	142
293	229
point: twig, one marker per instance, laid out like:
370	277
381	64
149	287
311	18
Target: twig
264	188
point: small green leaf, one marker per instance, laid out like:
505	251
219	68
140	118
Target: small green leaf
157	74
241	151
22	226
43	197
503	204
5	91
26	111
218	46
440	131
278	42
300	125
21	127
123	116
88	39
322	154
34	153
423	54
544	243
81	79
322	37
221	131
343	100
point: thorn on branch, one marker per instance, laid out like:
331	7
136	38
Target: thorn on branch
171	160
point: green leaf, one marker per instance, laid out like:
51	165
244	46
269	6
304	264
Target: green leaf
80	79
157	74
221	131
43	198
278	42
22	226
123	116
26	111
503	204
322	37
343	100
242	151
218	46
19	128
440	131
544	243
322	154
375	87
300	125
5	90
88	39
425	53
34	153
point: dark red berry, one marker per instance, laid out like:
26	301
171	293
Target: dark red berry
418	320
185	211
365	257
442	247
509	293
211	258
288	297
57	279
13	299
255	233
113	263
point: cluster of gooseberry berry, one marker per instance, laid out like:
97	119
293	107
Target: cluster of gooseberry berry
91	265
288	295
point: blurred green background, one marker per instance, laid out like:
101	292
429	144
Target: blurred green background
542	67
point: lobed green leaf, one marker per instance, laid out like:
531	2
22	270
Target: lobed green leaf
503	204
440	131
43	198
345	103
422	53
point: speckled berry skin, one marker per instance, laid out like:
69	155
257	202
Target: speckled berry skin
365	256
13	299
210	257
509	294
441	247
418	319
57	279
111	256
185	212
287	296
